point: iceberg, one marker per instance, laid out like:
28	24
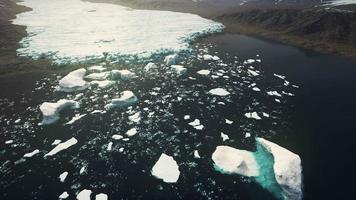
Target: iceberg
219	92
73	81
50	111
62	146
166	168
127	98
229	160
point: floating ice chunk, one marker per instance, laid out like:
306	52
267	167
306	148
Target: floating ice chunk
131	132
219	92
75	118
150	66
247	135
252	72
125	74
50	111
249	61
287	169
186	117
29	155
117	137
127	98
265	114
274	93
199	127
207	57
83	169
203	72
196	122
279	76
287	93
64	195
229	160
84	195
9	141
171	59
252	115
277	100
73	81
179	69
105	84
98	76
62	146
17	121
256	89
98	68
228	121
196	154
98	111
224	137
166	168
109	147
101	196
55	142
62	177
135	117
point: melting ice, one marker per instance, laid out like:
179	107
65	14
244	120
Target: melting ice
75	31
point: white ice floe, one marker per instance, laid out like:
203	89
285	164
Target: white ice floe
179	69
64	195
99	76
73	81
253	115
224	137
135	117
50	111
62	177
97	68
105	84
170	59
83	169
117	137
219	92
287	169
265	114
75	118
229	160
101	196
203	72
127	98
274	93
131	132
29	155
228	121
150	66
166	168
84	195
196	154
62	146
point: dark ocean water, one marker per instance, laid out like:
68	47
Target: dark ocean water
322	128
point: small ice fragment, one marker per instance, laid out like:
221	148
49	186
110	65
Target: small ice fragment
166	168
17	121
254	73
64	195
199	127
274	93
247	135
203	72
224	137
62	177
131	132
179	69
73	81
84	195
228	121
277	100
121	149
83	169
186	117
171	59
135	117
50	111
101	196
127	98
249	61
9	141
62	146
109	147
196	122
196	154
55	142
117	137
104	84
219	92
279	76
75	118
252	115
29	155
150	66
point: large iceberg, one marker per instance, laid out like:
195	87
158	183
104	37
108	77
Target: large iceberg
73	81
166	168
229	160
127	98
50	111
